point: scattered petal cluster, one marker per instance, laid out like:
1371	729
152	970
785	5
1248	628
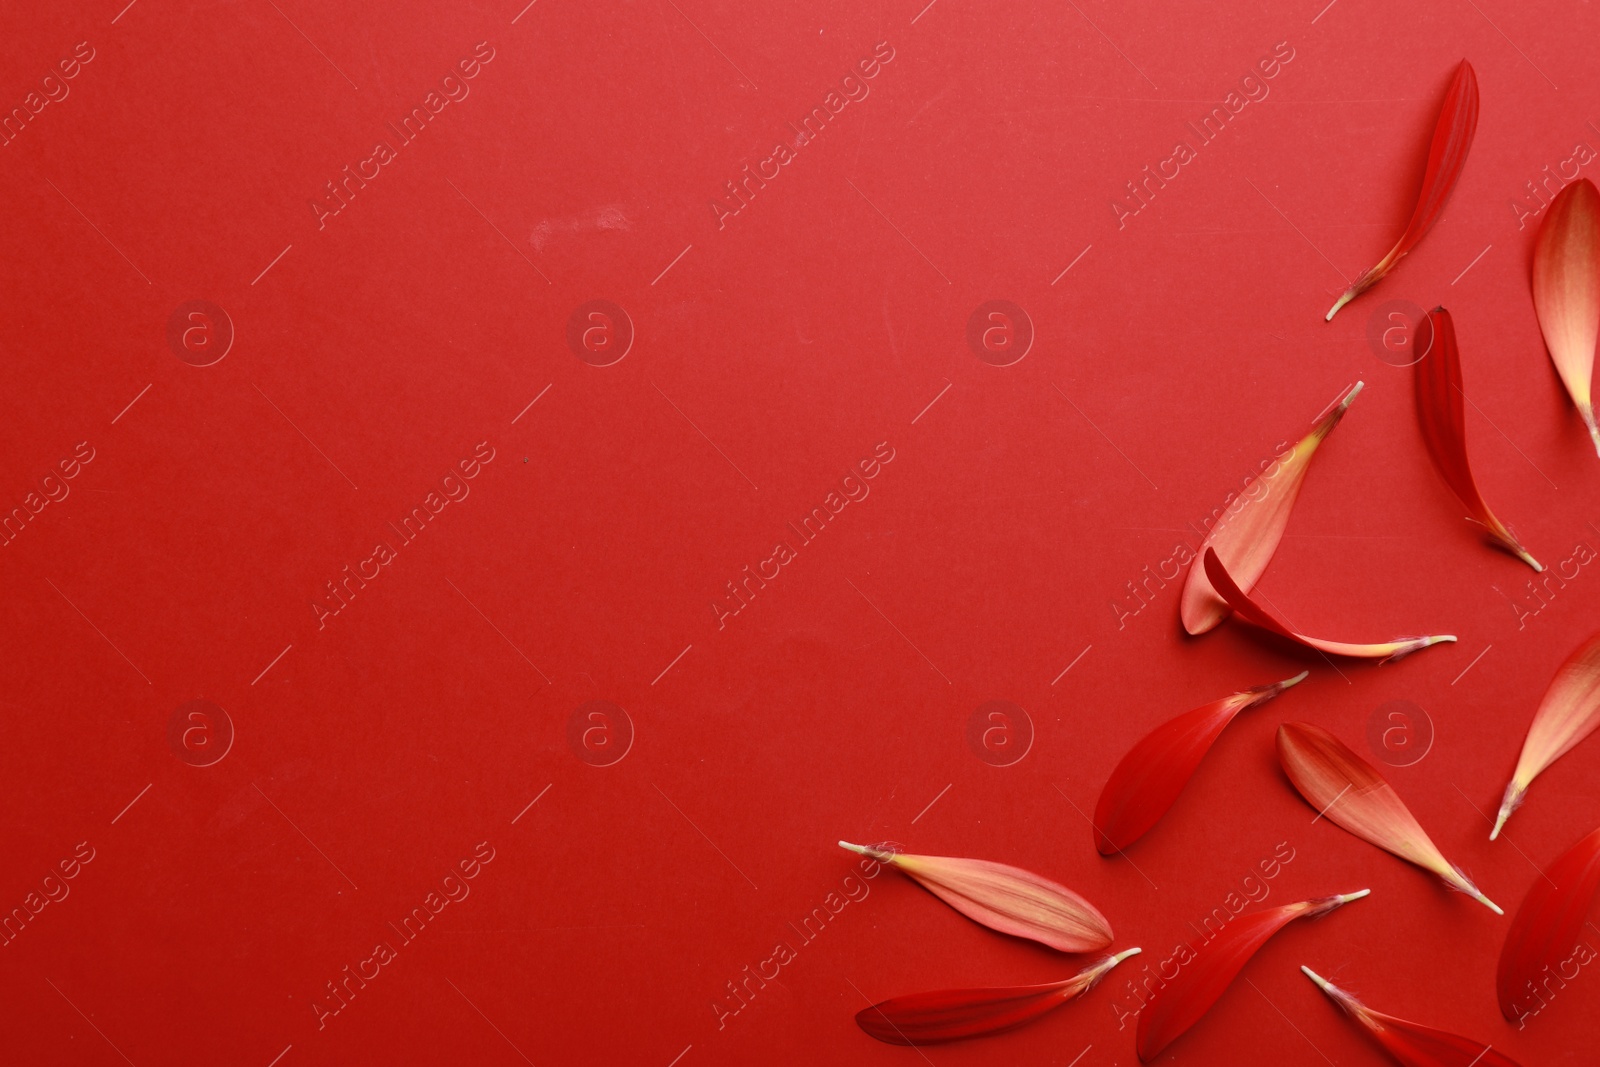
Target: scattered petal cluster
1342	788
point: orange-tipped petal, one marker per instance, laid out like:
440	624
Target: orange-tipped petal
1184	999
1256	615
1347	790
1412	1044
952	1014
1249	532
1447	155
1566	290
1569	713
1004	898
1546	930
1444	428
1149	778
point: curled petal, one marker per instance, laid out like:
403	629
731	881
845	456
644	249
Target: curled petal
1444	428
1004	898
952	1014
1412	1044
1249	531
1566	290
1149	778
1347	790
1447	155
1569	713
1251	612
1183	1000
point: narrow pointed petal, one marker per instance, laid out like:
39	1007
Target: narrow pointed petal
1249	532
1566	290
1413	1044
1181	1003
1256	615
1447	155
1150	777
952	1014
1569	713
1547	928
1444	428
1347	790
1004	898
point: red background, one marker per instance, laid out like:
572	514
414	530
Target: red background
773	353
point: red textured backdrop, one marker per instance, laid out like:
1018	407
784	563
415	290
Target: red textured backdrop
542	682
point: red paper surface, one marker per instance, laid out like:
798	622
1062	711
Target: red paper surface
648	849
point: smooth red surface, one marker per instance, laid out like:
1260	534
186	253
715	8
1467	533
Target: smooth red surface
824	318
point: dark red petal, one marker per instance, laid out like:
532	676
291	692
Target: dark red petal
1441	415
1149	778
1416	1045
1546	930
1447	155
1412	1044
1210	969
952	1014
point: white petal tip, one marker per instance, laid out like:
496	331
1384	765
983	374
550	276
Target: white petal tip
1322	982
1357	895
1124	954
1499	822
1343	300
